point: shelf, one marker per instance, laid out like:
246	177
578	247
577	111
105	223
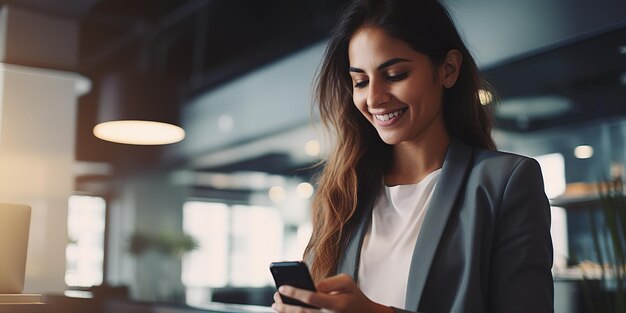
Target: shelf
577	196
576	202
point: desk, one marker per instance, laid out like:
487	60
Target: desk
21	303
62	304
22	308
147	307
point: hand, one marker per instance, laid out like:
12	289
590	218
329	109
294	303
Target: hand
337	294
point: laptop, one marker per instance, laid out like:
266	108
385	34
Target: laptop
14	226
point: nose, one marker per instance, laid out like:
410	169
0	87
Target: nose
377	94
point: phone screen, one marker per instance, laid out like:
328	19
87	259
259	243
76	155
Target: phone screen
294	274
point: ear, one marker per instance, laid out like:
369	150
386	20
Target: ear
449	70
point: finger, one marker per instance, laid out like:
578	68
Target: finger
286	308
320	300
277	298
296	293
335	283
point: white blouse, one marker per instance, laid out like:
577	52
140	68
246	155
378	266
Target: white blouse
390	240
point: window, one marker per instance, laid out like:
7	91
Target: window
208	224
553	170
85	249
236	245
257	240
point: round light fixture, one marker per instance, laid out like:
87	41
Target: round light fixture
312	147
485	96
583	152
139	132
304	190
277	194
138	109
532	108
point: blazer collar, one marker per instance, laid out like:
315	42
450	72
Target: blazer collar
453	175
349	261
451	179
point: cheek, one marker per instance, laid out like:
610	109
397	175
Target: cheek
423	95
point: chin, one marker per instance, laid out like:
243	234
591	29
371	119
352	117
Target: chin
390	140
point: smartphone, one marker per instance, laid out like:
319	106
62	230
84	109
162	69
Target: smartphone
292	273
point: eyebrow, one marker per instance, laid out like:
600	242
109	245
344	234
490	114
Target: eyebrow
384	65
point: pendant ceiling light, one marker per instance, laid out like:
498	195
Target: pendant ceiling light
137	109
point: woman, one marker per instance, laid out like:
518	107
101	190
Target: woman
415	211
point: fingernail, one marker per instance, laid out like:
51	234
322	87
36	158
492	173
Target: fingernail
282	289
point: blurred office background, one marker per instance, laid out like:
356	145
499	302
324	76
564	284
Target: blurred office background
199	220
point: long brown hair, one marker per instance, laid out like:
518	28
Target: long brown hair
353	172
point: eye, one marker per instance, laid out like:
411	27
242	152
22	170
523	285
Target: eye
361	84
399	77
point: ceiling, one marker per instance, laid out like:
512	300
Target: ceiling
553	63
570	82
198	44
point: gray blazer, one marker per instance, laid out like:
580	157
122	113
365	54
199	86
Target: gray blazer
485	243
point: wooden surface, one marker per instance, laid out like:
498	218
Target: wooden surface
23	308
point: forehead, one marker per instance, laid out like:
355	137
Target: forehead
370	46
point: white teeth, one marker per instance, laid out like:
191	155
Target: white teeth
386	117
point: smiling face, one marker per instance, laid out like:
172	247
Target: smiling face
396	88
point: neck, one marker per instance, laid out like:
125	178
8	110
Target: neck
413	160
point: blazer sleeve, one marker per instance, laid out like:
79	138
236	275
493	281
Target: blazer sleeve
521	260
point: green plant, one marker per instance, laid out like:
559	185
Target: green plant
174	244
606	293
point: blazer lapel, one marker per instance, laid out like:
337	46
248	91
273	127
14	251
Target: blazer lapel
452	178
349	262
